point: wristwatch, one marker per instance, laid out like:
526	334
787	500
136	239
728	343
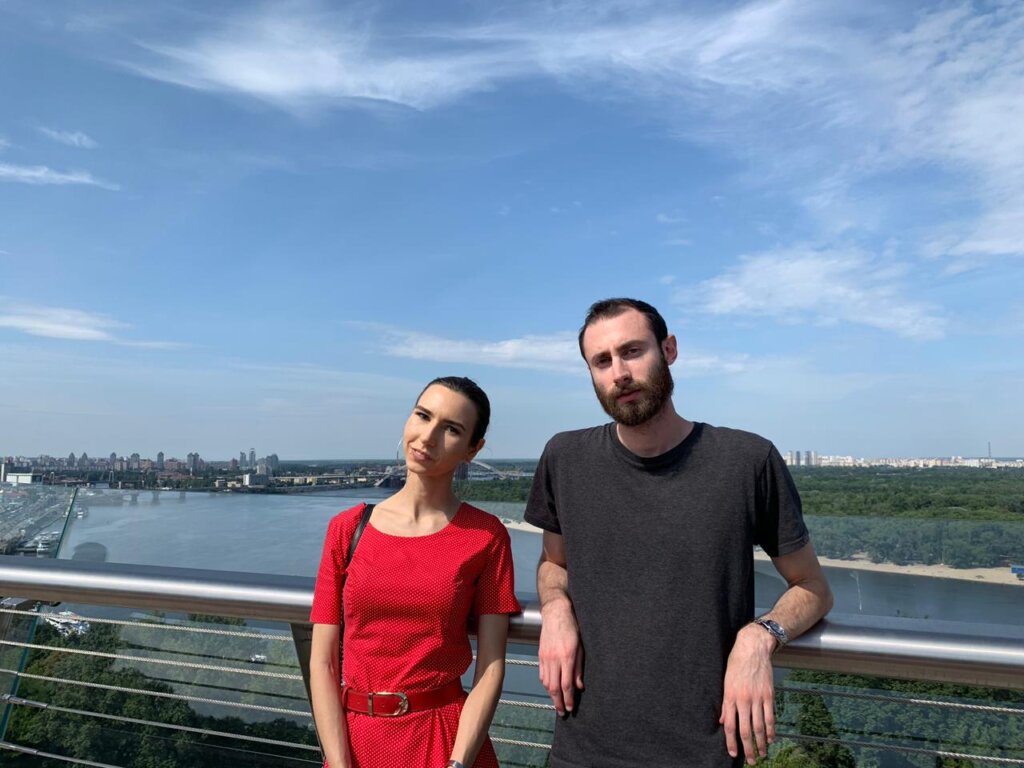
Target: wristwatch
453	763
774	629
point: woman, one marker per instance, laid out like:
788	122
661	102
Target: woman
423	564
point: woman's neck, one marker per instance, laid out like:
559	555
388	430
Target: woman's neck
425	496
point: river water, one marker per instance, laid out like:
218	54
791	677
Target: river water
283	534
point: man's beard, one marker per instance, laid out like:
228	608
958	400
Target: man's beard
653	396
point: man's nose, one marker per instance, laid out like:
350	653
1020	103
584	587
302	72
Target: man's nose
620	371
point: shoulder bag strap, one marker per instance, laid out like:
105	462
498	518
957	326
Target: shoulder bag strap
363	520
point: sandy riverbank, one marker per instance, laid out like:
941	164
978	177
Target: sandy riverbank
861	563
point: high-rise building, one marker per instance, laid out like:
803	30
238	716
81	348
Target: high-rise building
113	459
83	460
71	461
135	462
252	458
241	460
810	458
160	461
796	462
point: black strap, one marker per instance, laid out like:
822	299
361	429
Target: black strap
363	520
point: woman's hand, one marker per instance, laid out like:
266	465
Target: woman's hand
325	693
488	677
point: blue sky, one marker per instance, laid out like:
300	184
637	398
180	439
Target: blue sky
267	225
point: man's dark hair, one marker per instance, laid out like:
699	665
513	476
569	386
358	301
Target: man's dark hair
607	308
472	391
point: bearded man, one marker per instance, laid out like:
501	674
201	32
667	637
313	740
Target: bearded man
647	573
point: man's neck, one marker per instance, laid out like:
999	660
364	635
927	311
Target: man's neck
658	435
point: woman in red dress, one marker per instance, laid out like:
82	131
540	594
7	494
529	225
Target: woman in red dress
424	563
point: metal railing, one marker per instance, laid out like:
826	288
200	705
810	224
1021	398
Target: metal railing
905	648
894	648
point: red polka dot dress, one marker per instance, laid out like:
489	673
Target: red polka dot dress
406	601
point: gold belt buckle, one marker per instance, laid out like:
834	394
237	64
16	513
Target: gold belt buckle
403	704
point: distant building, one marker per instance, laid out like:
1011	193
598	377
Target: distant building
23	478
71	461
160	461
252	458
241	460
254	480
134	463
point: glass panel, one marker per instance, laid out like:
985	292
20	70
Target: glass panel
894	723
231	690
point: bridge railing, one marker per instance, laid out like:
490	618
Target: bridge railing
211	665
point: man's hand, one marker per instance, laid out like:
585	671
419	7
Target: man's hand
748	704
560	654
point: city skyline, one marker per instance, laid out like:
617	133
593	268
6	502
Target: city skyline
792	457
280	222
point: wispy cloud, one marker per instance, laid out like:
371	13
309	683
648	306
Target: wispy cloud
72	324
4	143
59	323
668	218
557	352
817	96
70	138
40	174
818	286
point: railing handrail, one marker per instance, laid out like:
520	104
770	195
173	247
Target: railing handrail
918	649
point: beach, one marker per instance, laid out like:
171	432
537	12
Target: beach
861	563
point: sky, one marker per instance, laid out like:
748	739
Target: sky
269	225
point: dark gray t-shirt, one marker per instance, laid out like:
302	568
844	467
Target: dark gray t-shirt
661	575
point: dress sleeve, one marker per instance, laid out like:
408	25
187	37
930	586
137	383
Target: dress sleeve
330	578
780	519
495	588
540	507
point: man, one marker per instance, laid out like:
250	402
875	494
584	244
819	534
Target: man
646	580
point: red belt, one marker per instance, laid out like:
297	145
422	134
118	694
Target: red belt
393	704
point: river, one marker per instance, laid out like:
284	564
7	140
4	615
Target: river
284	533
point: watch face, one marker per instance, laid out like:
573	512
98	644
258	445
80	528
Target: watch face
775	629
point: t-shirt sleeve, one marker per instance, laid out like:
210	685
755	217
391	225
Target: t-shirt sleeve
495	588
329	579
780	520
540	507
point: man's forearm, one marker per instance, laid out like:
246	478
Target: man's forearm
552	582
802	606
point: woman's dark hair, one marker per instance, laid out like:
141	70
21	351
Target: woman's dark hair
608	308
471	390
